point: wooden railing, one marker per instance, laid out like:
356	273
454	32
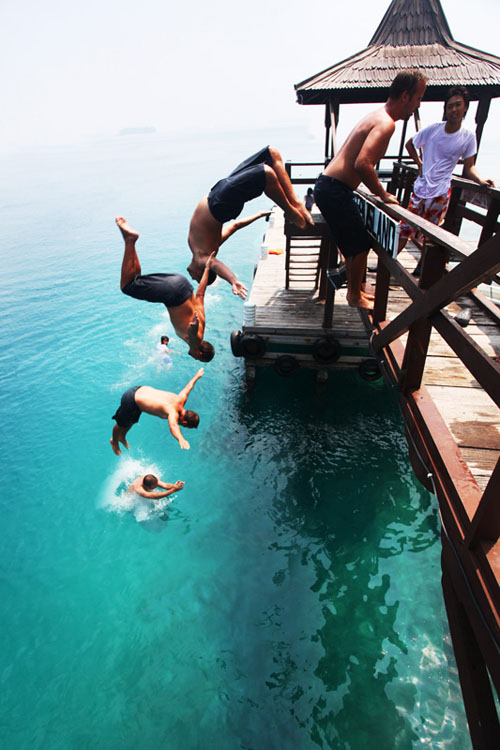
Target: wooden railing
470	518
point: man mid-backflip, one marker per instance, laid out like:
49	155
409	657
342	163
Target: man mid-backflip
264	172
186	310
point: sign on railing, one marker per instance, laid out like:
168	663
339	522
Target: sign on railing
384	229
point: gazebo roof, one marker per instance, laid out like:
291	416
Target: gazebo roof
412	34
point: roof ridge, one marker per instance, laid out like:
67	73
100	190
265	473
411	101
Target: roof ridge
413	22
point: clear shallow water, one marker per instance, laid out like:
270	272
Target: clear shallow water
289	596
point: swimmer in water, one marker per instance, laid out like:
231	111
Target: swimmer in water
145	485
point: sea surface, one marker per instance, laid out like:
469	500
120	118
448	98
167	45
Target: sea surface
289	597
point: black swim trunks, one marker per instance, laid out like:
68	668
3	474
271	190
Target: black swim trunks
336	202
128	412
228	196
171	289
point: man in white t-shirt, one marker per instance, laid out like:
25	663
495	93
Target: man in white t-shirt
443	145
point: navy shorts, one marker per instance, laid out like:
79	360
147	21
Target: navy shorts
171	289
128	412
228	196
336	202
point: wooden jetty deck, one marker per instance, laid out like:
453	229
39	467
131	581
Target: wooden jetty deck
448	383
290	320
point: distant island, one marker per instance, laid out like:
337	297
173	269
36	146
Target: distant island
137	131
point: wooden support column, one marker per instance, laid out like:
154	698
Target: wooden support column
334	115
328	125
483	108
486	521
453	221
490	224
433	268
479	703
381	292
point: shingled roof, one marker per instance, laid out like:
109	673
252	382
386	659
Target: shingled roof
412	34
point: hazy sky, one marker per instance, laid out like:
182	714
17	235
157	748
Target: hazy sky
75	70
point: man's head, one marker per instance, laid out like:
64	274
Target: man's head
204	353
164	340
150	482
190	419
456	104
408	88
195	270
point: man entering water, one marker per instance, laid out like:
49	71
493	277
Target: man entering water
187	311
163	404
145	485
264	172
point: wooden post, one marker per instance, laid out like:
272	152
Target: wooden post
483	107
328	124
433	267
479	704
334	112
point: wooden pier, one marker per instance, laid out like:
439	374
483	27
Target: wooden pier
448	381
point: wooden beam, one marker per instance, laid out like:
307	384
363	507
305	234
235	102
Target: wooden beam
482	111
483	264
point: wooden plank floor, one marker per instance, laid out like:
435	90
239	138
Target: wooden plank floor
471	416
296	308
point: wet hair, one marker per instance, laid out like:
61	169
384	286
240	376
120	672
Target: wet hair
190	419
164	340
150	482
456	91
211	277
406	80
310	191
207	352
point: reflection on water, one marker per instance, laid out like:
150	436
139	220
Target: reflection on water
341	641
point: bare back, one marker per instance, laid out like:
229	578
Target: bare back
367	142
156	402
182	316
204	236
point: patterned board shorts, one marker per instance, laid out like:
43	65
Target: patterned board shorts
432	209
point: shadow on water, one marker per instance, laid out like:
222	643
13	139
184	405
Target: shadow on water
329	471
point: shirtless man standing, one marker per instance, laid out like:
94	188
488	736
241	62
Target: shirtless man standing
187	311
145	485
355	163
159	403
264	172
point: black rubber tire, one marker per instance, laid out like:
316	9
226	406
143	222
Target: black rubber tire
325	350
286	365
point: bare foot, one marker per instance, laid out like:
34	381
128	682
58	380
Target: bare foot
305	213
116	447
126	230
295	216
360	301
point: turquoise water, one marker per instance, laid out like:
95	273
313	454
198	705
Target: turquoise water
289	597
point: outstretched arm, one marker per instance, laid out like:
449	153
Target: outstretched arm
177	486
471	173
202	286
171	488
175	430
233	226
225	273
182	396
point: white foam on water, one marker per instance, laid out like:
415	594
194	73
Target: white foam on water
114	496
